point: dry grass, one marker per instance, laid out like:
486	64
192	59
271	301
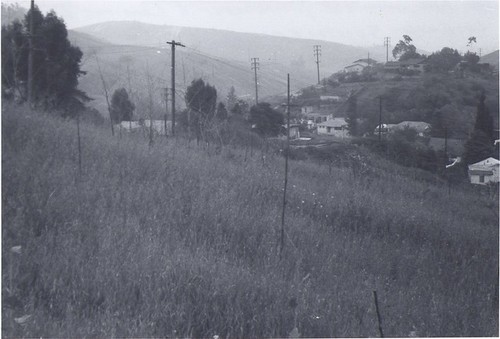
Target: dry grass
176	241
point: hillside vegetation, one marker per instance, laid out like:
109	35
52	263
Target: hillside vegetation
177	240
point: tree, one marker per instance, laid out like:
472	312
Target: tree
444	60
56	63
267	121
221	114
352	116
231	99
480	145
122	108
201	100
241	108
405	50
471	40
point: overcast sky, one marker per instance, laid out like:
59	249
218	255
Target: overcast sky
431	24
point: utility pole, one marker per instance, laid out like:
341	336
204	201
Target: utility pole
387	42
380	120
282	231
166	111
317	53
480	52
255	66
30	55
173	43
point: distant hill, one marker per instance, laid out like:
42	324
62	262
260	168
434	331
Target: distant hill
294	54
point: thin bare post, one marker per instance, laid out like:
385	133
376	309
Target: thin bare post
106	94
150	96
282	231
380	120
79	143
378	315
166	111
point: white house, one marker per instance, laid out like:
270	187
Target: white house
484	172
336	127
334	98
306	110
354	68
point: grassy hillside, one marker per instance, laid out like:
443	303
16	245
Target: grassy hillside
175	240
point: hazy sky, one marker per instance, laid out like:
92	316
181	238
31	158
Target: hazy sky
431	24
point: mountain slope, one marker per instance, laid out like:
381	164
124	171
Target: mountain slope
296	54
128	66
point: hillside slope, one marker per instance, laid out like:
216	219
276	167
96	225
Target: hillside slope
128	66
175	240
296	54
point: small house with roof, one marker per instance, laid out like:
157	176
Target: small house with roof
484	172
336	127
354	68
414	64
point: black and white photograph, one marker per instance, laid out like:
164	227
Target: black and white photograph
250	169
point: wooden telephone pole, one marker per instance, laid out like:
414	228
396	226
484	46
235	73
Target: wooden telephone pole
173	43
317	53
166	110
387	42
255	66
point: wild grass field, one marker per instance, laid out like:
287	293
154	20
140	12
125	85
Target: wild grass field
177	241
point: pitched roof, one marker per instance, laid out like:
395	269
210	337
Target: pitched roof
413	61
354	65
335	122
486	163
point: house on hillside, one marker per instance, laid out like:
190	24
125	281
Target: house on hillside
392	66
354	68
414	64
336	127
331	98
484	172
304	110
